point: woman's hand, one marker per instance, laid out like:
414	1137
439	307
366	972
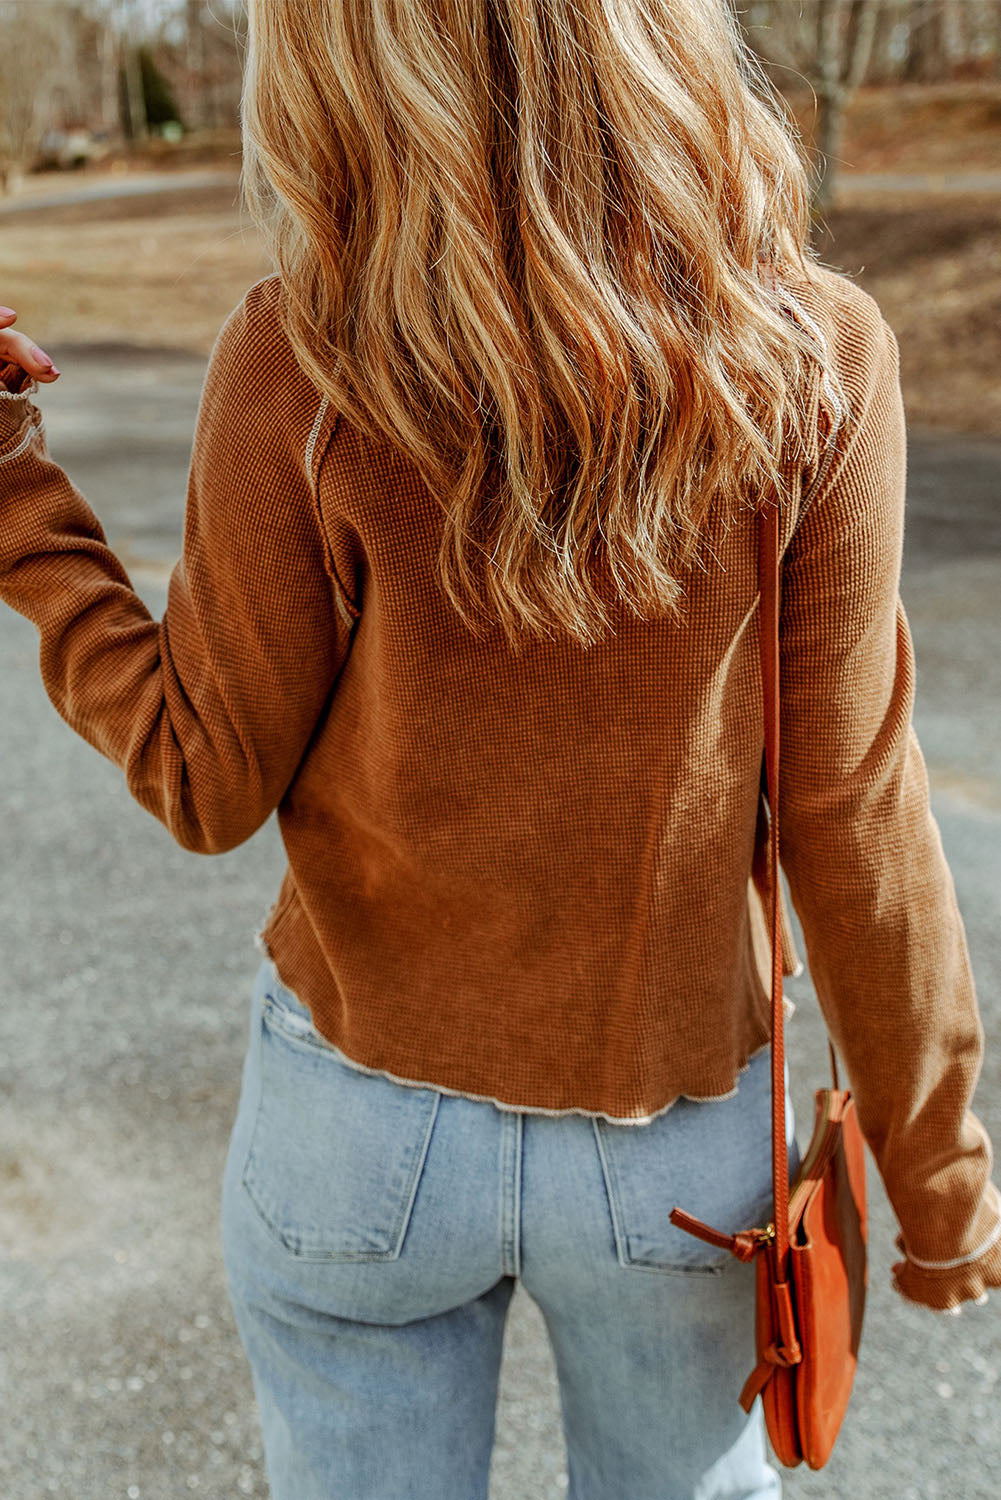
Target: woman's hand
17	350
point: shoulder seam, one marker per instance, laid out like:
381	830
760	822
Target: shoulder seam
839	409
830	446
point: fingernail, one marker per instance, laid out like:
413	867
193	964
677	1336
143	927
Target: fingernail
53	370
7	312
40	355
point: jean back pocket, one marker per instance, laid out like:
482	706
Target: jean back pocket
712	1158
335	1154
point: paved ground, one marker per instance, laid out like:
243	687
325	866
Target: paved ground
920	182
40	192
127	964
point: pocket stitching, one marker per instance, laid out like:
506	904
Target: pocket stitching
398	1229
613	1205
626	1259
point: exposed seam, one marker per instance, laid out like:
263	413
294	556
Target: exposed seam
510	1195
35	428
526	1109
345	613
519	1156
832	440
960	1260
313	435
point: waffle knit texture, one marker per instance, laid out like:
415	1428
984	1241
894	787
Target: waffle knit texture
531	878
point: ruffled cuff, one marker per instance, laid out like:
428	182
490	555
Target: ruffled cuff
945	1285
16	389
15	381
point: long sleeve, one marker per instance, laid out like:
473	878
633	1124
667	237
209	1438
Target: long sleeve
868	877
209	710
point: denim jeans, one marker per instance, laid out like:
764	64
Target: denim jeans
373	1233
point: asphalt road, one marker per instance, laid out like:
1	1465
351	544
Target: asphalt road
89	187
128	961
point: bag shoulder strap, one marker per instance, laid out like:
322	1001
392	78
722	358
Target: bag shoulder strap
769	604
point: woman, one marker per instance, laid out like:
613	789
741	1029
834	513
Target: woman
469	595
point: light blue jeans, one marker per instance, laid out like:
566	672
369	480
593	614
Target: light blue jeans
372	1236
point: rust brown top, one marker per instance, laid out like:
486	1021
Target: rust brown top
529	878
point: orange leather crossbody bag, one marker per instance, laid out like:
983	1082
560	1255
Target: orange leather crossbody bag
812	1268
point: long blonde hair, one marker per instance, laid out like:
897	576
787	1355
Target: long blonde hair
522	241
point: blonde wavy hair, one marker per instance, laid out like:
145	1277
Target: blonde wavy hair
523	241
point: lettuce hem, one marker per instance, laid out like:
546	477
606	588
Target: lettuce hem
946	1288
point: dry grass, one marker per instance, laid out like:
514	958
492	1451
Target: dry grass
160	270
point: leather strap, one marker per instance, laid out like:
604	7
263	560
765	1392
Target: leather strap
768	630
747	1243
768	583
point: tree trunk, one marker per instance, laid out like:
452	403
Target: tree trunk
198	101
926	49
138	127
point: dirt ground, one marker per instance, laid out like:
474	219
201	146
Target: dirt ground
916	127
165	270
159	270
934	266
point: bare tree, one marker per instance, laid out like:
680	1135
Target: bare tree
845	33
130	23
827	43
194	26
929	33
120	28
214	41
891	41
836	45
943	39
109	107
34	42
63	65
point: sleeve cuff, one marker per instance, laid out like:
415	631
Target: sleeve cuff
15	408
943	1285
15	382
